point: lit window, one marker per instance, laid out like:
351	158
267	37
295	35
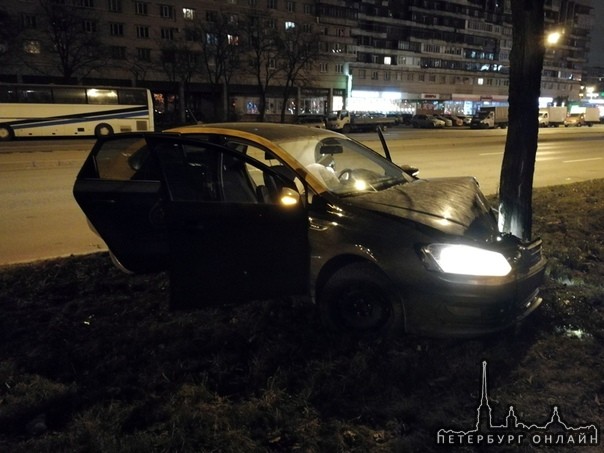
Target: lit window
289	25
32	47
188	13
480	81
387	60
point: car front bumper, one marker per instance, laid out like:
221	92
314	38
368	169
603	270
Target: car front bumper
462	306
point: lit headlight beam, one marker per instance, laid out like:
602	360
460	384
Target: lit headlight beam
466	260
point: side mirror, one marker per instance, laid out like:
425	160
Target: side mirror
289	197
413	171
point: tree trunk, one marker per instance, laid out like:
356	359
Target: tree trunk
526	64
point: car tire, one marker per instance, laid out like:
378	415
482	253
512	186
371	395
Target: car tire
359	301
103	130
6	133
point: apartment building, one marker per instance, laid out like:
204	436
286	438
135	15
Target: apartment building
388	55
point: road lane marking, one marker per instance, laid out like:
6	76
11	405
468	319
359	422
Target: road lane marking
580	160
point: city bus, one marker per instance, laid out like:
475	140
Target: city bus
28	110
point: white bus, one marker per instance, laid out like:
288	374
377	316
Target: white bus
28	110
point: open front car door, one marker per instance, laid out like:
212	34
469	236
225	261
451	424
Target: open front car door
230	237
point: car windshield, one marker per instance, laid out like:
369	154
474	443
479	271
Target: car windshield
344	166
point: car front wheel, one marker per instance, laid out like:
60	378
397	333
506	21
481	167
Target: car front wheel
360	301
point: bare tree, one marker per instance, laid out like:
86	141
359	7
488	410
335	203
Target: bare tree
180	62
526	64
262	46
298	49
220	56
74	44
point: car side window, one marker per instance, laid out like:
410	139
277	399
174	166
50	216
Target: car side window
126	159
211	173
261	177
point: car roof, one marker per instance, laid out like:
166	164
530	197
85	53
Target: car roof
274	132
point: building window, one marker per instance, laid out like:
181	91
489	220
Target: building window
32	47
340	68
233	40
291	7
289	25
167	33
89	26
84	3
142	31
272	4
116	29
323	67
118	52
308	9
141	8
272	63
307	28
271	23
143	54
166	11
28	21
252	2
387	75
188	13
375	75
115	6
387	60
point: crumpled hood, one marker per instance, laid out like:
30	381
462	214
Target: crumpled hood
452	205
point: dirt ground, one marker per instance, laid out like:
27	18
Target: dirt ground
92	360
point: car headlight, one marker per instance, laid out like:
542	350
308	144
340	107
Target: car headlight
465	260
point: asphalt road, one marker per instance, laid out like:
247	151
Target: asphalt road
40	219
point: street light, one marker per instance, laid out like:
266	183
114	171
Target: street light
553	38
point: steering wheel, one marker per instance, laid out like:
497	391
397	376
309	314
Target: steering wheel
345	175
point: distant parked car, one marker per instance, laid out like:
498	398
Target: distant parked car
448	121
455	120
464	118
426	122
312	120
574	120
